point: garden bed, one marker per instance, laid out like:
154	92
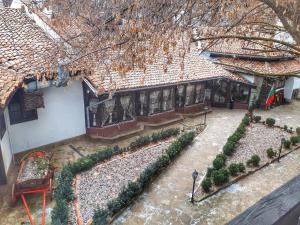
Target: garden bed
109	180
96	187
257	140
251	147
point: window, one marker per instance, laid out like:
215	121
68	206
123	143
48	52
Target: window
2	125
239	92
17	114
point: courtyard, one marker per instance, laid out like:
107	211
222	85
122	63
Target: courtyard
167	200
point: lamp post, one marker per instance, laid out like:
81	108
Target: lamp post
282	143
194	175
205	112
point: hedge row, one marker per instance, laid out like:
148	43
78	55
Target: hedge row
229	147
133	189
64	191
157	136
218	173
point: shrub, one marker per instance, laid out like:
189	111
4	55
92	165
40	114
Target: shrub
290	130
100	217
234	138
271	153
228	148
270	122
220	176
254	161
206	185
241	167
218	163
164	134
287	143
295	139
285	127
210	171
139	142
233	169
257	119
298	131
246	120
222	156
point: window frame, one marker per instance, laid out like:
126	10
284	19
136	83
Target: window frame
24	116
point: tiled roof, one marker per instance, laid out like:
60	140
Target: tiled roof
277	68
24	50
241	47
195	68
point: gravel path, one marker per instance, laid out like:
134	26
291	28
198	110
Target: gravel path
257	140
104	182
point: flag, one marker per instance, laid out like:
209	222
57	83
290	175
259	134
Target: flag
271	97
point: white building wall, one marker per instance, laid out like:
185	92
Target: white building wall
6	151
63	117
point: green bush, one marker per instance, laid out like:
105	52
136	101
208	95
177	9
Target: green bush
270	122
241	167
164	134
298	131
287	144
228	148
254	161
246	120
206	185
222	156
271	153
233	169
257	119
234	138
220	176
139	142
295	139
285	127
210	171
218	163
100	217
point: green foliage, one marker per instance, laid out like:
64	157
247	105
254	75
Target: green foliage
222	156
218	163
246	120
139	142
164	134
271	153
253	161
270	122
257	119
285	127
298	131
100	217
228	148
241	167
220	176
233	169
295	139
287	144
210	171
62	195
206	185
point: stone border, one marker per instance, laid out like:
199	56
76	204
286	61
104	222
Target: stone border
242	176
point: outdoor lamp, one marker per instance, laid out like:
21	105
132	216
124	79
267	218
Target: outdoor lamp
205	112
194	175
282	143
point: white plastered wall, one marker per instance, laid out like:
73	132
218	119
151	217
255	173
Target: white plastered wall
62	118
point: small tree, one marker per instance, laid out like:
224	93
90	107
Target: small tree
233	169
